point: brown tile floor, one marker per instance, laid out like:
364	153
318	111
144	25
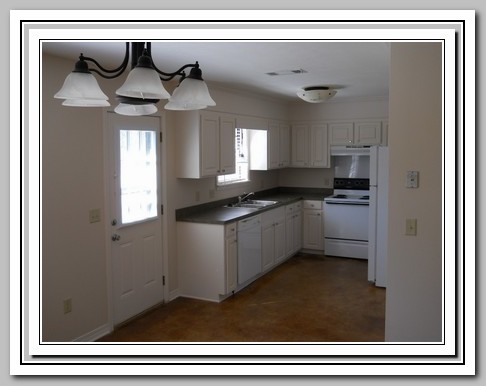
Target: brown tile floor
309	298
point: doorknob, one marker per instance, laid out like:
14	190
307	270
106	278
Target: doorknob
115	237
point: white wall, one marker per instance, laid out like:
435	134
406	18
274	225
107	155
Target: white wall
74	251
413	301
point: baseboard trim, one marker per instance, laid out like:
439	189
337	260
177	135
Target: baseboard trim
94	335
173	295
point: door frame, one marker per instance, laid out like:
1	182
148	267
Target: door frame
107	211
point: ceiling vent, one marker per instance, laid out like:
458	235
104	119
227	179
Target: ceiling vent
287	72
316	94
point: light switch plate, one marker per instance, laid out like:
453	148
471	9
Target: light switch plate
411	227
94	215
412	179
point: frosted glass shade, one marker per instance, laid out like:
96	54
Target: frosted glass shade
172	105
192	92
80	85
316	95
143	83
135	110
85	103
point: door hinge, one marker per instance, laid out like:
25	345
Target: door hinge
161	209
163	280
160	136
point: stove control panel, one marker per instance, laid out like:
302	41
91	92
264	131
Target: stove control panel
352	183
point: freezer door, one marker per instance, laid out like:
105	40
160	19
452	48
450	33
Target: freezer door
372	235
374	165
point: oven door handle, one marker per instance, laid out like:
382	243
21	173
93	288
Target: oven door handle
346	203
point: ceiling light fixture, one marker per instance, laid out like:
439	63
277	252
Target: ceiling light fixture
142	88
316	94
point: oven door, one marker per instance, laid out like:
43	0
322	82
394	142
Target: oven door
346	221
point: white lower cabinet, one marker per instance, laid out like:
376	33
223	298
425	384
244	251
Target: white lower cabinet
313	239
231	257
273	237
207	255
293	228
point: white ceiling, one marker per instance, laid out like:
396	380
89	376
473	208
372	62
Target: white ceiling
359	70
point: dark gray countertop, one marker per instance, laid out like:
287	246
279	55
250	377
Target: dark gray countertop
216	213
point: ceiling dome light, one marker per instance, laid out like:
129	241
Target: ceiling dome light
316	94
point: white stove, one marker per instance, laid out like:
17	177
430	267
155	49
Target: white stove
360	197
346	215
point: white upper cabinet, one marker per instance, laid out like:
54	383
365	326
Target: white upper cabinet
205	144
270	148
357	133
310	146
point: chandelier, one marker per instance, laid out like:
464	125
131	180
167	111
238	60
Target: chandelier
142	88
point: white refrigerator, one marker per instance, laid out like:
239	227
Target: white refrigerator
378	216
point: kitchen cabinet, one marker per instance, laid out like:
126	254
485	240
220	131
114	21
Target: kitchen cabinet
293	228
273	237
270	149
205	144
310	146
313	235
231	257
359	133
208	270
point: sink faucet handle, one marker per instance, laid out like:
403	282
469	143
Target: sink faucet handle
244	196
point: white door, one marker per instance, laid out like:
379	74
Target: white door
136	230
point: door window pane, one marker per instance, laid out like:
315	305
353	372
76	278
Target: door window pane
138	175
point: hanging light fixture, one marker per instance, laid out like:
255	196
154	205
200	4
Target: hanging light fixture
316	94
142	89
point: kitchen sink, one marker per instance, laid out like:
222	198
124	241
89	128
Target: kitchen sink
257	204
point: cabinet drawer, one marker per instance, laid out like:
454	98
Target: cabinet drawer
293	208
313	204
273	216
230	229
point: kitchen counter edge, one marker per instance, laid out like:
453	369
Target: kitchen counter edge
221	215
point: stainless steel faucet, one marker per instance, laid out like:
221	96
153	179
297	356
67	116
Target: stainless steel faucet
244	197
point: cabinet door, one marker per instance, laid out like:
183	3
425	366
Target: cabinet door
300	145
210	144
313	225
341	133
284	141
273	146
227	160
289	234
268	246
231	253
279	233
297	232
319	154
368	133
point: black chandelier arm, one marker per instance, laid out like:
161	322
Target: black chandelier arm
116	71
105	75
172	75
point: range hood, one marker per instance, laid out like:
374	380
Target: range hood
350	150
